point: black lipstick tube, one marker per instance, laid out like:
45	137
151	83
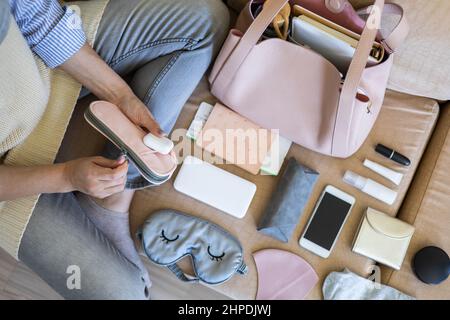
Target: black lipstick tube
392	154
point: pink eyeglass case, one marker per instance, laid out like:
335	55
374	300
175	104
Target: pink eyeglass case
109	120
283	275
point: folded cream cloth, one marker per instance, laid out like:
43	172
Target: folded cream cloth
35	109
346	285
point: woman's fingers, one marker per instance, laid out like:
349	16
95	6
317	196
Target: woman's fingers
108	163
152	125
108	174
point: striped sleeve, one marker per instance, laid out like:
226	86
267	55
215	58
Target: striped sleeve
54	33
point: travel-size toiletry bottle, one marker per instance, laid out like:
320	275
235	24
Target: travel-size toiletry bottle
372	188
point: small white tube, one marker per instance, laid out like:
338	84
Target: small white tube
391	175
370	187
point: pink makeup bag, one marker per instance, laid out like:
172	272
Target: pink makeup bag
281	85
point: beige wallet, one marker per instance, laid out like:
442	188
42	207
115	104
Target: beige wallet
383	238
237	140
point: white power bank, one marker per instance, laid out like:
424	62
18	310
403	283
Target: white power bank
215	187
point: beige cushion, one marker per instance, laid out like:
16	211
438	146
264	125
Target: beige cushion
411	112
421	66
405	123
427	207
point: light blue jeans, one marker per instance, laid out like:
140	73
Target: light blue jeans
4	19
163	47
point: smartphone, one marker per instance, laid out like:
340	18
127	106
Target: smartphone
326	222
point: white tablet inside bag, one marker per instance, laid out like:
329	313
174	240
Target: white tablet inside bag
215	187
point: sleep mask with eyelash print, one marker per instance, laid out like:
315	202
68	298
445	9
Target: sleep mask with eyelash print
169	235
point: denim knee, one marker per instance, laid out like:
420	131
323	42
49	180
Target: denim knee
210	22
217	16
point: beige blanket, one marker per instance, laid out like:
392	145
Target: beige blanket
42	145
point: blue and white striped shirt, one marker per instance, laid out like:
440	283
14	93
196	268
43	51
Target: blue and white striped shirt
52	32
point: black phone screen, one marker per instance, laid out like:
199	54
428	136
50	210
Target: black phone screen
327	221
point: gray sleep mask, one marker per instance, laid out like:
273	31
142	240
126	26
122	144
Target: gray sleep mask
168	236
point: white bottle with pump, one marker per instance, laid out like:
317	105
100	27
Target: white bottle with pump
372	188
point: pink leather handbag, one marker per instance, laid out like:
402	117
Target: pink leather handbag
281	85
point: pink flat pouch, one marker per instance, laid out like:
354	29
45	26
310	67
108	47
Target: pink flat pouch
283	275
107	118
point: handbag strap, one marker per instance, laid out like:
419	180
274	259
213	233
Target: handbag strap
247	42
356	69
398	35
269	12
344	115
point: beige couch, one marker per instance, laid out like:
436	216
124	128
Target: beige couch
406	123
427	207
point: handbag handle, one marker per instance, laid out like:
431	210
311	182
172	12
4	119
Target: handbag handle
252	36
401	30
344	115
356	69
247	42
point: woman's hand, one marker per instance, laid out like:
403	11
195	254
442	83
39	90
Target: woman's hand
138	113
97	176
91	71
